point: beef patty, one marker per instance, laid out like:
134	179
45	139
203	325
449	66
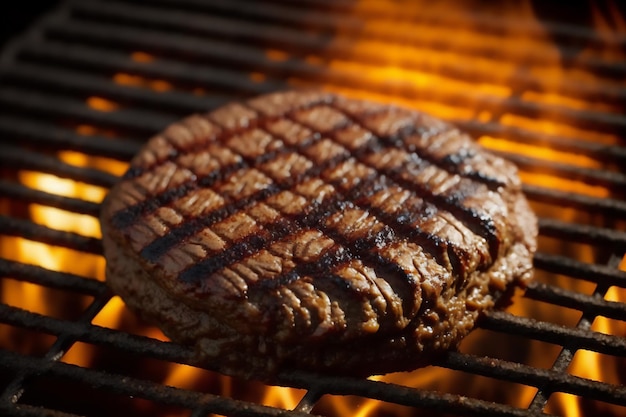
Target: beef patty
303	230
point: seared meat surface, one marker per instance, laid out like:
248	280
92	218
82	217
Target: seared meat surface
303	230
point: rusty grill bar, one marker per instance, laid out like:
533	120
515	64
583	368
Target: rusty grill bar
71	54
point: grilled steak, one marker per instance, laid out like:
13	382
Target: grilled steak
302	230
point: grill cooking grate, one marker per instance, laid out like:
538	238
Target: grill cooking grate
98	78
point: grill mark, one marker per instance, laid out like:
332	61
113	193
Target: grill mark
332	258
237	251
158	247
382	266
287	225
379	263
363	248
400	280
346	250
225	134
322	99
450	163
403	283
397	277
128	216
441	250
285	185
135	171
335	286
161	245
478	223
432	244
351	249
197	144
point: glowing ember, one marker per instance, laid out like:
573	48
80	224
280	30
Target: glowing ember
102	104
276	55
137	81
139	56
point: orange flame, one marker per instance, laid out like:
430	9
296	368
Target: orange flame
282	397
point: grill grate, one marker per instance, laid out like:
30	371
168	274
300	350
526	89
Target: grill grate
98	77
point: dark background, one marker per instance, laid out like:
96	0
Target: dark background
17	15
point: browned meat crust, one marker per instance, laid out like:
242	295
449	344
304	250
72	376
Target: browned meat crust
301	230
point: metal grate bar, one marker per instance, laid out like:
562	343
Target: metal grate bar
65	81
590	176
309	400
255	59
598	150
125	385
53	279
20	192
421	399
611	238
169	351
567	353
39	105
543	378
89	333
48	136
100	60
605	206
144	346
600	274
13	392
572	299
16	157
552	333
32	231
269	11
